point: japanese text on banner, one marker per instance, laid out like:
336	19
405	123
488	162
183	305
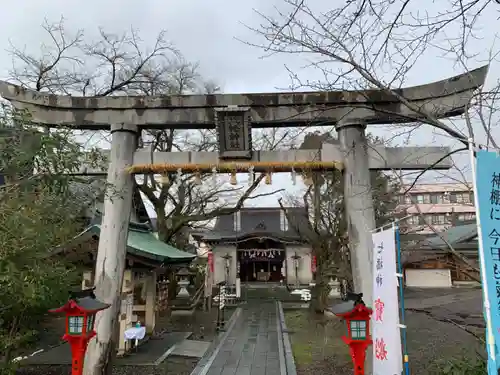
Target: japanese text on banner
387	356
488	191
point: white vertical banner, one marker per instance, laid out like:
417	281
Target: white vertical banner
387	353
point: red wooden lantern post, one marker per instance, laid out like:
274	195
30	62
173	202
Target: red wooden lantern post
357	318
80	313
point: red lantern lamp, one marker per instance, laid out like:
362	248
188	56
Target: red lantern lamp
313	263
357	317
80	311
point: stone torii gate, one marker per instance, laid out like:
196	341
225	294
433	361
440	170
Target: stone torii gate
234	115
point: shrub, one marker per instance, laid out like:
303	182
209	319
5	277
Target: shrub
464	366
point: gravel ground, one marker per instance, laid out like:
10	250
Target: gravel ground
318	348
435	292
177	366
202	324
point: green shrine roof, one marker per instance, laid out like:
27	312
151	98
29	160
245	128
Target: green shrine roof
142	242
455	235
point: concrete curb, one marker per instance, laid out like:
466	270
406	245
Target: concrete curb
172	348
290	367
281	350
206	361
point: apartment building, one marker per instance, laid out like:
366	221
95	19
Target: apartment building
442	205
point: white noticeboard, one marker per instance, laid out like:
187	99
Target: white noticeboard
129	307
387	356
222	296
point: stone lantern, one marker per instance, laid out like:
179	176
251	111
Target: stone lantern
183	276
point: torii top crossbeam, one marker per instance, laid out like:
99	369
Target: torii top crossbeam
441	99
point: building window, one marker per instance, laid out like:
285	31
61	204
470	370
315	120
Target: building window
437	198
446	197
463	197
237	221
439	219
423	198
412	220
466	216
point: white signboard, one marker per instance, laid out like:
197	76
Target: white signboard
305	294
130	307
387	357
222	296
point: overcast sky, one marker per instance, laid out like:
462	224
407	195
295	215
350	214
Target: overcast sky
207	32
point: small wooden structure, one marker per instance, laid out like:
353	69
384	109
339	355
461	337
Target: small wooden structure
147	258
431	265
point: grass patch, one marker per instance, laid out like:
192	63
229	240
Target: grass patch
432	345
316	343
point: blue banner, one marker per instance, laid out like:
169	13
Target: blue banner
488	194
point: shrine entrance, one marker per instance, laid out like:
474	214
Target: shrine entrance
261	265
261	261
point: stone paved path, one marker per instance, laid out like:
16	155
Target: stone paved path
252	345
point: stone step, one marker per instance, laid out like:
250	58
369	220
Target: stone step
183	312
275	293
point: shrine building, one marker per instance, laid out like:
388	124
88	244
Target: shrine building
257	245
